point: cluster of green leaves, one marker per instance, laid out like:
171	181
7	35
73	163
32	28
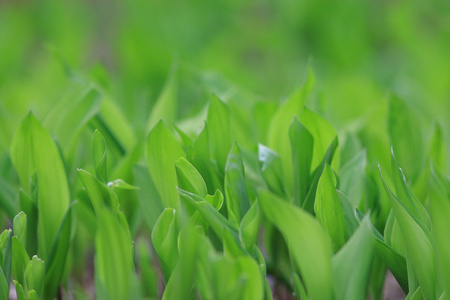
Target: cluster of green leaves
222	206
137	181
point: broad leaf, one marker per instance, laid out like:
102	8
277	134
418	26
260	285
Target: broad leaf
309	246
236	196
162	150
302	144
328	209
34	150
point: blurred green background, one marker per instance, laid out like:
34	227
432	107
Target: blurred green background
360	51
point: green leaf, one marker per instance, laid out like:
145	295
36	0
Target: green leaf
119	184
165	107
417	295
405	194
308	205
113	260
250	272
21	295
20	227
440	212
419	250
349	215
189	178
19	260
236	196
323	134
405	133
55	265
277	136
352	178
98	192
181	282
150	202
69	116
148	272
34	150
115	125
248	229
219	132
216	220
34	276
162	150
351	265
309	246
8	199
328	209
5	262
272	170
99	156
29	207
437	150
302	144
164	239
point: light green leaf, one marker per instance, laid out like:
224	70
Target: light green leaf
34	150
248	229
165	107
21	295
219	132
181	282
34	276
119	184
113	260
69	115
328	209
20	260
351	265
150	202
115	124
254	285
272	170
56	263
8	199
419	250
407	197
20	227
98	192
309	246
5	262
149	276
437	150
189	178
162	150
308	205
236	196
277	136
216	220
352	178
323	134
29	207
393	260
302	144
99	156
440	212
405	133
164	239
416	295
